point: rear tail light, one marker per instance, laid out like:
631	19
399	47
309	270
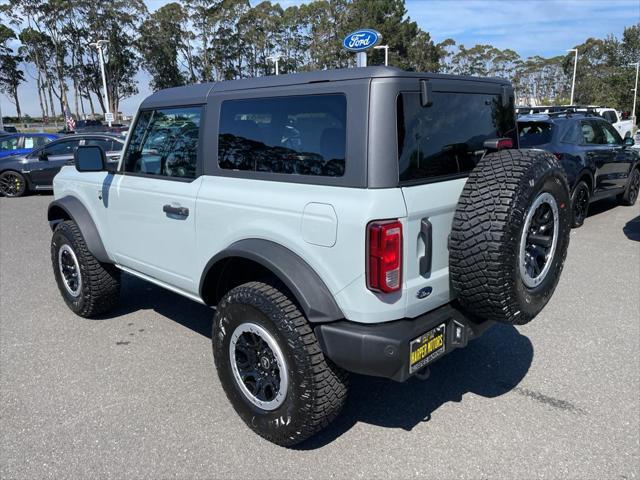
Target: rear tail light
384	256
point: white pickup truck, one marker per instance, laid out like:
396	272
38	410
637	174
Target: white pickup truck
624	127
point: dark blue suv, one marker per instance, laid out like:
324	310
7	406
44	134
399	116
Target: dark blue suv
597	161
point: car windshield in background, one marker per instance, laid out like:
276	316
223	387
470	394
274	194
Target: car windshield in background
531	134
303	135
447	137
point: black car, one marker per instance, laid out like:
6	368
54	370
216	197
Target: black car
597	161
35	170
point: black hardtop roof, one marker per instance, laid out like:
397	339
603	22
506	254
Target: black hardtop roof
198	93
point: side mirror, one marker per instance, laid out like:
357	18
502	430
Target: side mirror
628	142
42	156
89	158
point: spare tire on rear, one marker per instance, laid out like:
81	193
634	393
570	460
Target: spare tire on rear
510	235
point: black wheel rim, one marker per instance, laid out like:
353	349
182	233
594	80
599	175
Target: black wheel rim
634	187
539	240
11	184
581	204
258	366
69	270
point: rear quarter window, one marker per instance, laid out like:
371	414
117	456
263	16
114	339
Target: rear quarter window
298	135
447	137
531	134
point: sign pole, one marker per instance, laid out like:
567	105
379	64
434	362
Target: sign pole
361	59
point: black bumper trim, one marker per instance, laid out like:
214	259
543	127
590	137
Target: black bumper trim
382	349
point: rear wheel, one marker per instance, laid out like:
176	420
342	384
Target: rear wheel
510	235
12	184
580	203
271	366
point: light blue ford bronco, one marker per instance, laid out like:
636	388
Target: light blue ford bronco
366	220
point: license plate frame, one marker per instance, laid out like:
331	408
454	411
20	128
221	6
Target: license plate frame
426	348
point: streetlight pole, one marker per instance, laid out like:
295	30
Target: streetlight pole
98	45
275	59
575	67
635	96
386	53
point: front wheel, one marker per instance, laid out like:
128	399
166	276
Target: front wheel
630	194
271	366
12	184
88	287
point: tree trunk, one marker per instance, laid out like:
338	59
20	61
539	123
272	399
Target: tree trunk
39	85
93	111
17	102
53	107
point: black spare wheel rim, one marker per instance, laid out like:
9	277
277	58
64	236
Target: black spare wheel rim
539	240
69	270
12	184
580	204
258	366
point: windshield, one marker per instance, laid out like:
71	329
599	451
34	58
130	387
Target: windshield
534	133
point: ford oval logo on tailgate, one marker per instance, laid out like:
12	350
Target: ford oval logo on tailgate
361	40
424	292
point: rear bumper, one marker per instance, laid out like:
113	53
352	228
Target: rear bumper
382	349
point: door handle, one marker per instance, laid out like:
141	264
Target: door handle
179	211
426	234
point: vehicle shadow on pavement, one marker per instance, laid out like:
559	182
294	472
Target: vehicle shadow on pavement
632	229
602	206
137	294
489	367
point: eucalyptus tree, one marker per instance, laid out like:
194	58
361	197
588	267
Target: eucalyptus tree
11	75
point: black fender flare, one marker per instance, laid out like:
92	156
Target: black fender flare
305	284
70	208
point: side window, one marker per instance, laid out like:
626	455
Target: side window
592	134
447	137
29	142
164	142
100	142
611	136
610	116
9	144
62	148
301	135
41	141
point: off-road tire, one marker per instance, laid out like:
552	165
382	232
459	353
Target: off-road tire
317	388
12	184
100	287
630	194
579	212
484	247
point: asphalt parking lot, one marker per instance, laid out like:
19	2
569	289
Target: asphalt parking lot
135	395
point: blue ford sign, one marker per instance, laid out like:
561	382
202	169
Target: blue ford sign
361	40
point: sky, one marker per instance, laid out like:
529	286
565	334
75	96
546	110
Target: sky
530	27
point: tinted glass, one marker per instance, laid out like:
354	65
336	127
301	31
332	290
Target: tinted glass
610	116
100	142
66	147
534	133
592	133
611	135
446	138
165	143
303	135
9	144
